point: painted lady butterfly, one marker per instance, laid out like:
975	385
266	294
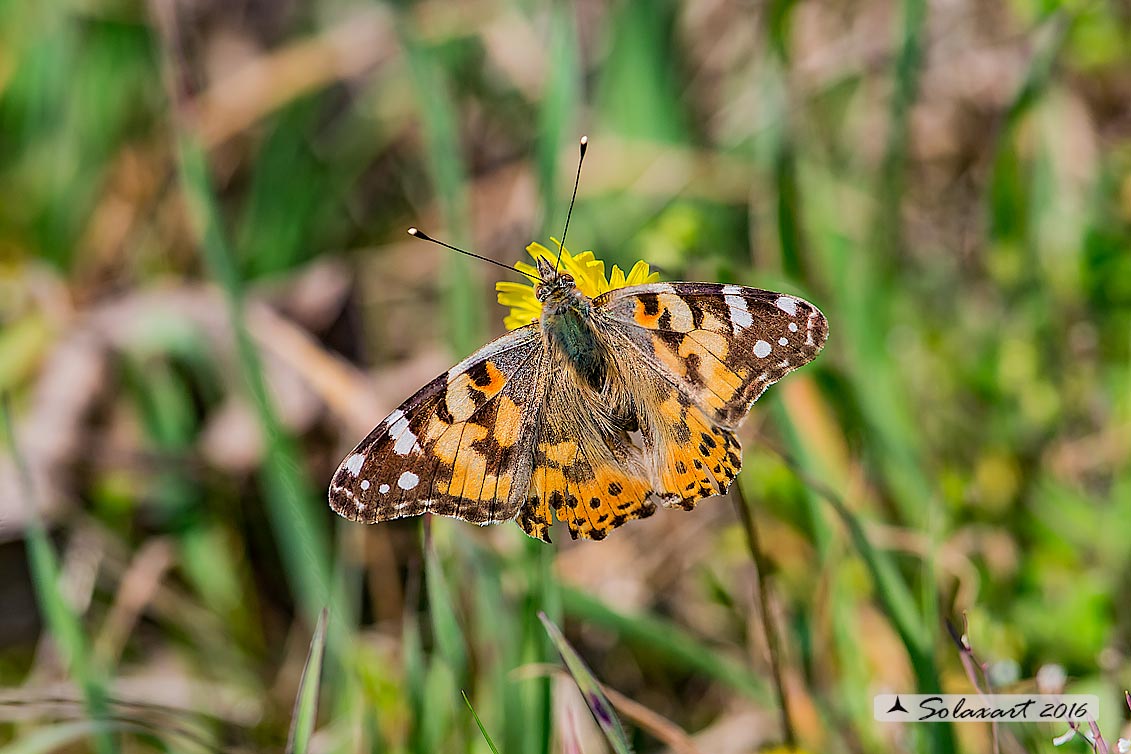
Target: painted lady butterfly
596	411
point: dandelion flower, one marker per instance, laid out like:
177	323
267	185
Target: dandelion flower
588	273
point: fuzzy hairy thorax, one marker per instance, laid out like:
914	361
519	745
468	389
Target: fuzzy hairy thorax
568	328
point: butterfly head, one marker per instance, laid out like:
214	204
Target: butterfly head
558	290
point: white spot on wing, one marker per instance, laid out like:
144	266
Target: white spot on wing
383	489
406	440
787	305
739	313
408	481
783	341
762	349
393	418
793	327
364	484
732	290
353	463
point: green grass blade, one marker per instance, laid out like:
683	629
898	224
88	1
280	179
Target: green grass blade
595	697
439	121
306	702
896	599
558	108
906	69
544	597
520	714
445	624
62	623
639	87
669	643
482	729
415	670
302	535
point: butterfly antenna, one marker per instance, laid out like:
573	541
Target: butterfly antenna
576	180
417	233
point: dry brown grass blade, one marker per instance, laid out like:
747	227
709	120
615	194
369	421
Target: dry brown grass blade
658	726
136	589
71	380
270	81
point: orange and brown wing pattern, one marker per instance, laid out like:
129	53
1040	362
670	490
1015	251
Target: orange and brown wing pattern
706	352
462	446
587	473
720	345
695	458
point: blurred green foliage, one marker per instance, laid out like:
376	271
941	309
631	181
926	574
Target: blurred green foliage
201	247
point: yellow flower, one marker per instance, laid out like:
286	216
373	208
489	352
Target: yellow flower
588	273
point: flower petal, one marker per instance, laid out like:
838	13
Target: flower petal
616	280
639	275
588	273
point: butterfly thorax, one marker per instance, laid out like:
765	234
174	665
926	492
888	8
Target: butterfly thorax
568	328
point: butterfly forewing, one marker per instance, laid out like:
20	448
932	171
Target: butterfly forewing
721	346
460	447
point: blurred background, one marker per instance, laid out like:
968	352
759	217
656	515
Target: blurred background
207	297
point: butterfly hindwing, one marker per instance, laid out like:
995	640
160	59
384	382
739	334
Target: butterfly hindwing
460	447
695	457
586	472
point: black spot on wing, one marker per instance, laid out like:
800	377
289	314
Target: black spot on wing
479	374
444	414
651	303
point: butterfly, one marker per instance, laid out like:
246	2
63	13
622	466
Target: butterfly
598	411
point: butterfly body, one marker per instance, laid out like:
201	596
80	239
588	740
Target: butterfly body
595	413
572	338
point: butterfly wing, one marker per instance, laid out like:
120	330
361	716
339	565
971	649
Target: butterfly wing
461	447
720	345
702	354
